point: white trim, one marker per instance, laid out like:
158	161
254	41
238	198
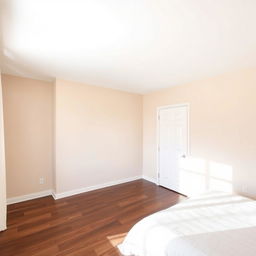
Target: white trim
153	180
173	106
18	199
56	196
158	132
87	189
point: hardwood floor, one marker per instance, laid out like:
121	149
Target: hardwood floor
89	224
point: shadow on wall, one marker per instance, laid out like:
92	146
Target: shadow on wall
197	175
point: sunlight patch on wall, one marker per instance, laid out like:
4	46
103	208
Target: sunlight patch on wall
198	175
220	177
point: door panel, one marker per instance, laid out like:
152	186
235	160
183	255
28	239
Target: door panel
173	145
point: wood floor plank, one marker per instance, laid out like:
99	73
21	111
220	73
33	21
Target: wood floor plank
91	223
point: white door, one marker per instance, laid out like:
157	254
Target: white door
172	145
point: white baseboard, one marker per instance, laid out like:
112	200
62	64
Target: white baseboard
18	199
56	196
149	179
87	189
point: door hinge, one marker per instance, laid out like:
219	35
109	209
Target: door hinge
158	117
158	175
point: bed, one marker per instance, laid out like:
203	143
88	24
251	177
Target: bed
215	223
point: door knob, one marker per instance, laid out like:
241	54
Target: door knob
183	156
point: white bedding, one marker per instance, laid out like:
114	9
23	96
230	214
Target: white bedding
215	223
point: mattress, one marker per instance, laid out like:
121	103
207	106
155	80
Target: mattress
214	223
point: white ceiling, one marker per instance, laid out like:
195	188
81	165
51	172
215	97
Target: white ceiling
132	45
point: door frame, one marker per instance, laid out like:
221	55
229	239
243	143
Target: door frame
158	133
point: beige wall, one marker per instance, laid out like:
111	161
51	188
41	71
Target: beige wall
2	167
222	125
28	116
98	131
98	135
